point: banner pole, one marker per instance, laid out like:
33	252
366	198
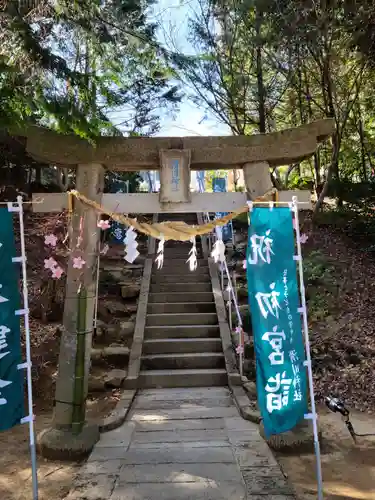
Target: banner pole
313	415
28	354
97	290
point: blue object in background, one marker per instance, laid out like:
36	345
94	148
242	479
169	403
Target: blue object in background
219	185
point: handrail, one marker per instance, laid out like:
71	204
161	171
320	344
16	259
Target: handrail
232	292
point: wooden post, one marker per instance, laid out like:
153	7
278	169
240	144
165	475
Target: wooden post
257	179
79	302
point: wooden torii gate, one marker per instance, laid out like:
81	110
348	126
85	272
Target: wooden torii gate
254	154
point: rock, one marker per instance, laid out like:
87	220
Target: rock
96	383
117	308
96	354
251	414
249	350
108	310
126	329
100	328
121	333
116	354
109	277
133	273
251	389
249	369
130	290
115	378
132	308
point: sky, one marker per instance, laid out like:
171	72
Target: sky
173	17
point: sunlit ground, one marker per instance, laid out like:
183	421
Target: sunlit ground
348	469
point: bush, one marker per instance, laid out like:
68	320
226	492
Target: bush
321	285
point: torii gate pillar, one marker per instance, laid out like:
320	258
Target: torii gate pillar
257	179
61	438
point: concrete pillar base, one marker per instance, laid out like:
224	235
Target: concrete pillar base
62	444
298	440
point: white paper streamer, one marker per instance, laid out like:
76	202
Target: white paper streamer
131	252
160	253
192	260
218	251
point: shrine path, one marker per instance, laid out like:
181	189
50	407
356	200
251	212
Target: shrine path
182	444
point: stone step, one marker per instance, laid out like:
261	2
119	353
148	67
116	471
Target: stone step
181	307
186	278
182	361
202	270
181	319
181	287
178	345
183	378
171	255
177	297
179	262
182	331
181	244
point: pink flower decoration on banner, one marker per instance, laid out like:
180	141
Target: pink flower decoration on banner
244	264
238	330
50	240
239	349
304	238
57	272
50	263
78	263
104	224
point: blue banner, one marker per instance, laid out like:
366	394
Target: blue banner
117	231
11	378
277	328
219	185
200	181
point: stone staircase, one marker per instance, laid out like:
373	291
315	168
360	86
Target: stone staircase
182	345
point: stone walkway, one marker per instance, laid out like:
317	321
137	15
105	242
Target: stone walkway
182	444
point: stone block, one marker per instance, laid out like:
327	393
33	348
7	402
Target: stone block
156	456
179	436
178	425
111	467
266	481
255	455
120	437
115	378
130	291
186	413
201	490
92	487
179	473
187	445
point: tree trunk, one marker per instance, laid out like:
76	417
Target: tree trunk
330	173
362	140
259	68
318	180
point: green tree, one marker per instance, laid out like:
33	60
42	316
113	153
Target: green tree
69	64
